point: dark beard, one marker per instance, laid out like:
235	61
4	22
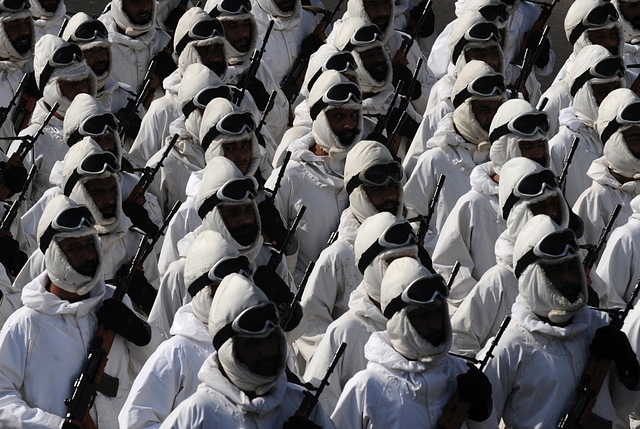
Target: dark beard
347	138
245	235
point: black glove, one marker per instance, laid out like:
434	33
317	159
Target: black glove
378	137
134	125
139	217
140	290
164	64
259	94
115	315
172	20
543	56
475	387
429	24
402	73
299	422
11	256
31	87
611	343
310	45
13	177
69	425
409	127
272	285
271	222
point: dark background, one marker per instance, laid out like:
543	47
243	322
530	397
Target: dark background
444	10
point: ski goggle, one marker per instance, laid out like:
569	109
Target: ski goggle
630	115
62	57
234	123
228	265
553	246
377	175
530	186
69	219
495	12
257	321
233	191
92	165
478	33
338	94
94	126
340	62
607	68
397	235
231	7
422	291
14	5
205	29
597	17
526	125
204	97
482	86
88	31
364	36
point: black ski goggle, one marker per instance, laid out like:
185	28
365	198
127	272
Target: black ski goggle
204	97
233	191
231	264
630	115
14	5
607	68
553	246
397	235
62	57
94	126
231	7
526	125
234	123
479	33
530	186
202	30
338	94
422	291
257	321
69	219
88	31
340	62
483	86
364	36
597	17
495	12
377	175
92	165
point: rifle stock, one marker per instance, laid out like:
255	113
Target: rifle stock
567	162
400	57
426	220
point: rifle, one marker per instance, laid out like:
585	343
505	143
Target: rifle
133	105
27	104
333	237
527	66
567	162
454	273
65	21
593	378
425	220
148	173
392	144
255	64
287	314
276	257
283	167
25	147
456	411
383	120
400	56
538	25
4	111
12	213
292	82
310	401
263	120
593	252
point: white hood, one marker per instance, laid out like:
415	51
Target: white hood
576	13
631	34
235	56
126	25
355	9
73	24
12	58
189	54
195	78
459	43
317	64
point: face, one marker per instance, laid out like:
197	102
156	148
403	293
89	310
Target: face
565	277
379	12
212	56
239	152
605	37
428	321
484	111
285	5
81	253
375	63
240	220
631	12
344	123
97	59
549	207
601	90
384	198
632	138
238	33
261	355
107	142
70	89
49	5
535	150
490	55
19	32
138	11
104	193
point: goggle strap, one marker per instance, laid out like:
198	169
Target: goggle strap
317	108
353	183
458	49
502	130
369	255
74	138
580	81
508	205
611	128
44	76
71	183
188	109
183	43
394	306
577	32
199	284
314	79
527	259
223	335
46	238
461	97
208	205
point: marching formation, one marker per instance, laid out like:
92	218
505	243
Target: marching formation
265	214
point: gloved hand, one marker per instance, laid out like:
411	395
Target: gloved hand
258	92
409	127
174	16
543	56
69	425
134	125
611	343
13	177
378	137
272	224
429	24
299	422
475	387
165	64
139	217
402	73
115	315
31	87
310	45
140	290
11	256
272	285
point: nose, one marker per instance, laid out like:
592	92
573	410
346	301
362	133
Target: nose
351	122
